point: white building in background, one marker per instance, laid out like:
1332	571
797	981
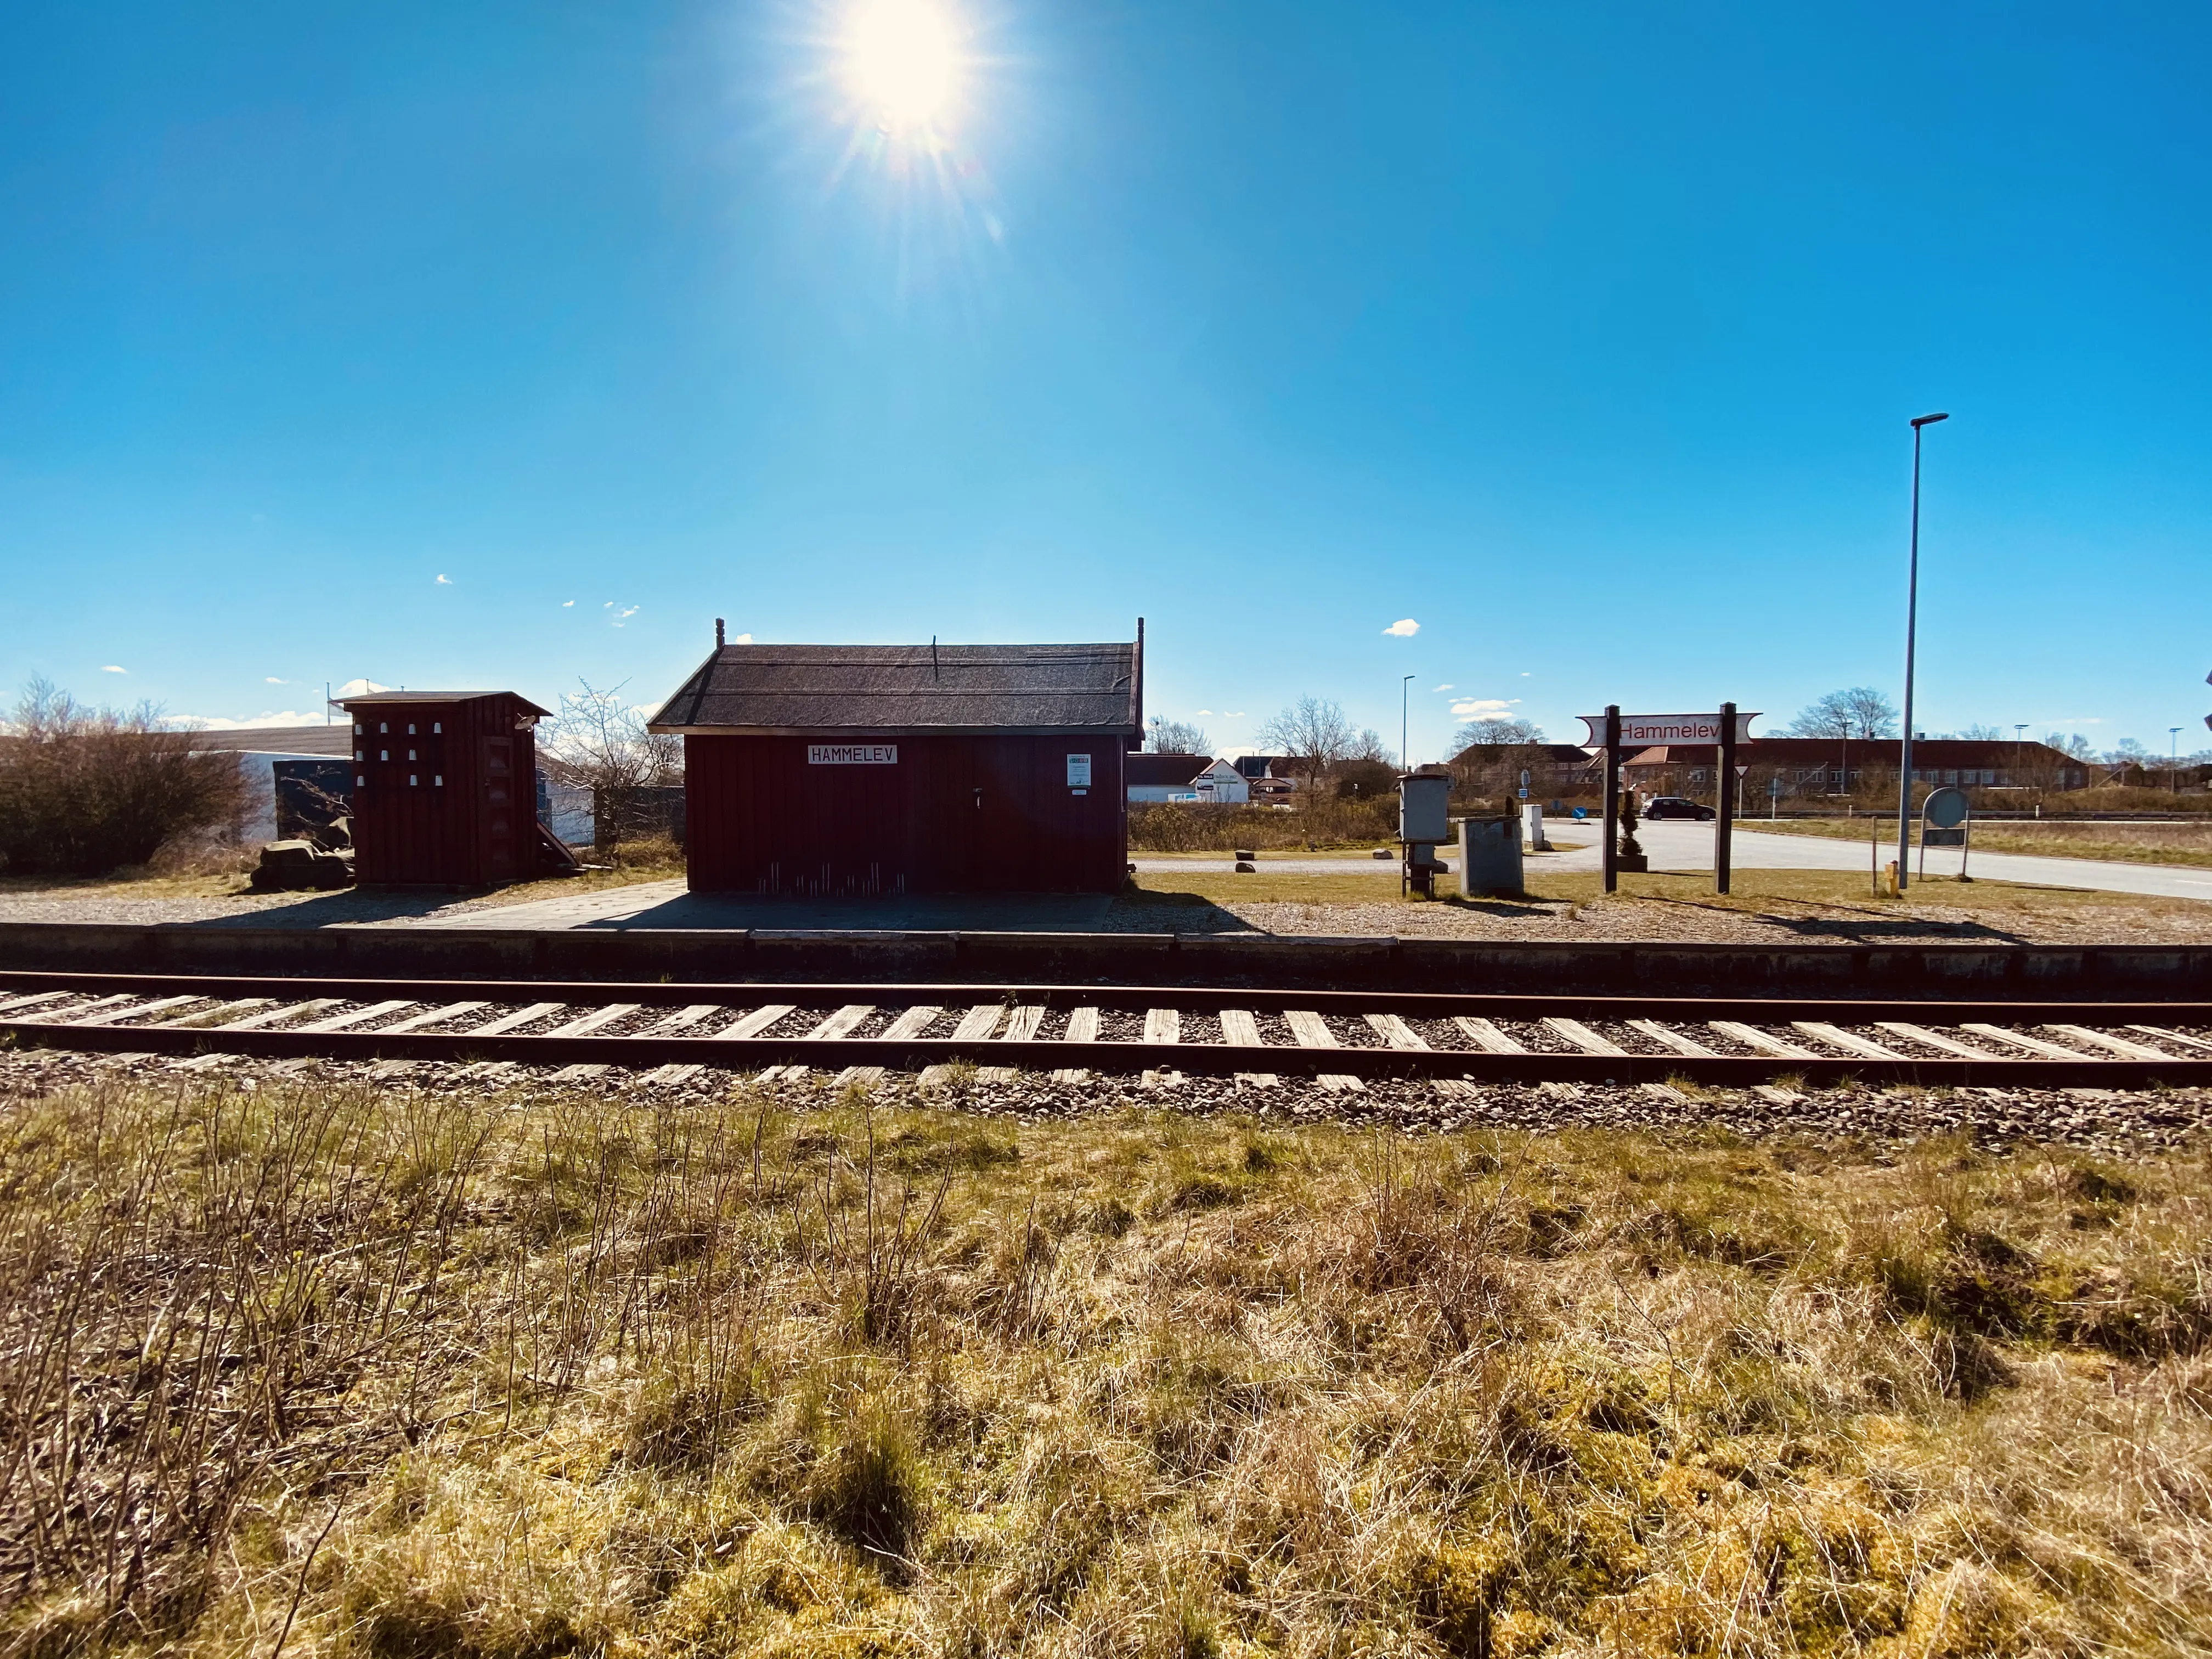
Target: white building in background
1223	784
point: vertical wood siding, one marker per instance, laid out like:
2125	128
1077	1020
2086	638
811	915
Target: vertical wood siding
954	814
472	830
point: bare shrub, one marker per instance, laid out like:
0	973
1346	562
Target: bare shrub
1327	820
85	790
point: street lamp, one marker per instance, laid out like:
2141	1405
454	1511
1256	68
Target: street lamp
1405	703
2174	759
1911	623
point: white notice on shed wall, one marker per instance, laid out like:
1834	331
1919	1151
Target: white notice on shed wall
852	754
1079	771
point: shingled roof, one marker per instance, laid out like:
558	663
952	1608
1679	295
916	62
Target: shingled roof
887	691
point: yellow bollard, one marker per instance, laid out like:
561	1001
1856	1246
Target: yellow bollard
1889	877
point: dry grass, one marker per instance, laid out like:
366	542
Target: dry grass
1848	889
1790	894
364	1372
2127	843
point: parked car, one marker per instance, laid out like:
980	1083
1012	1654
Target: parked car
1674	807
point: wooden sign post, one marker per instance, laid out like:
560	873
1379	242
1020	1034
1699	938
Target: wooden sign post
1617	730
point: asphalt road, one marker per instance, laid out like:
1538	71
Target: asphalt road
1675	845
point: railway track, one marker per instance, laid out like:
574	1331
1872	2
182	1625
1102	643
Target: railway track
1339	1038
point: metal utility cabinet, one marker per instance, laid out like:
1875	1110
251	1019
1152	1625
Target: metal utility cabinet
444	787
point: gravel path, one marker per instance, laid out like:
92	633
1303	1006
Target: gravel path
2069	919
2093	1119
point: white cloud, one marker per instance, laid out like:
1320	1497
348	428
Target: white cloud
357	688
2073	719
741	639
1446	686
1524	673
270	679
444	582
620	615
565	603
1474	708
1233	714
113	668
218	723
1404	629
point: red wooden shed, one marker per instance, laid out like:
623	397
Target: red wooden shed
828	769
445	788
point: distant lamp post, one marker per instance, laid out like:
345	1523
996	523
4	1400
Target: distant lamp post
2174	759
1405	706
1912	625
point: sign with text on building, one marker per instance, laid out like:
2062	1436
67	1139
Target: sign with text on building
1079	771
1642	731
852	754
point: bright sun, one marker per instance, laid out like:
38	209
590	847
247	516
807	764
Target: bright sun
902	61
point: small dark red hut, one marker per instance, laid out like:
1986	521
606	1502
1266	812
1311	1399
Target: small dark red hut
824	770
445	788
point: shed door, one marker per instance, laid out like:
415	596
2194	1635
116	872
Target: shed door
499	809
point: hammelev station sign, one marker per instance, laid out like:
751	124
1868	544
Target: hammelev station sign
1644	730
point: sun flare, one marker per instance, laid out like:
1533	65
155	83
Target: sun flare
903	62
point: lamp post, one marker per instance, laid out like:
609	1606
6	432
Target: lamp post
1405	704
1911	625
2174	759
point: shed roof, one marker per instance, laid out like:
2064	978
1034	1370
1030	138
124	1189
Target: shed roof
332	739
794	690
371	699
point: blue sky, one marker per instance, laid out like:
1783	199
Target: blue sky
1582	335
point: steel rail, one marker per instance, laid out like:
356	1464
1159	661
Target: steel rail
2047	1065
1431	1004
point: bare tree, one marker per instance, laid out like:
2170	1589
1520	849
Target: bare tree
1497	731
1166	737
1368	746
599	738
1859	711
1312	735
1983	734
1489	756
598	741
2070	743
83	791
